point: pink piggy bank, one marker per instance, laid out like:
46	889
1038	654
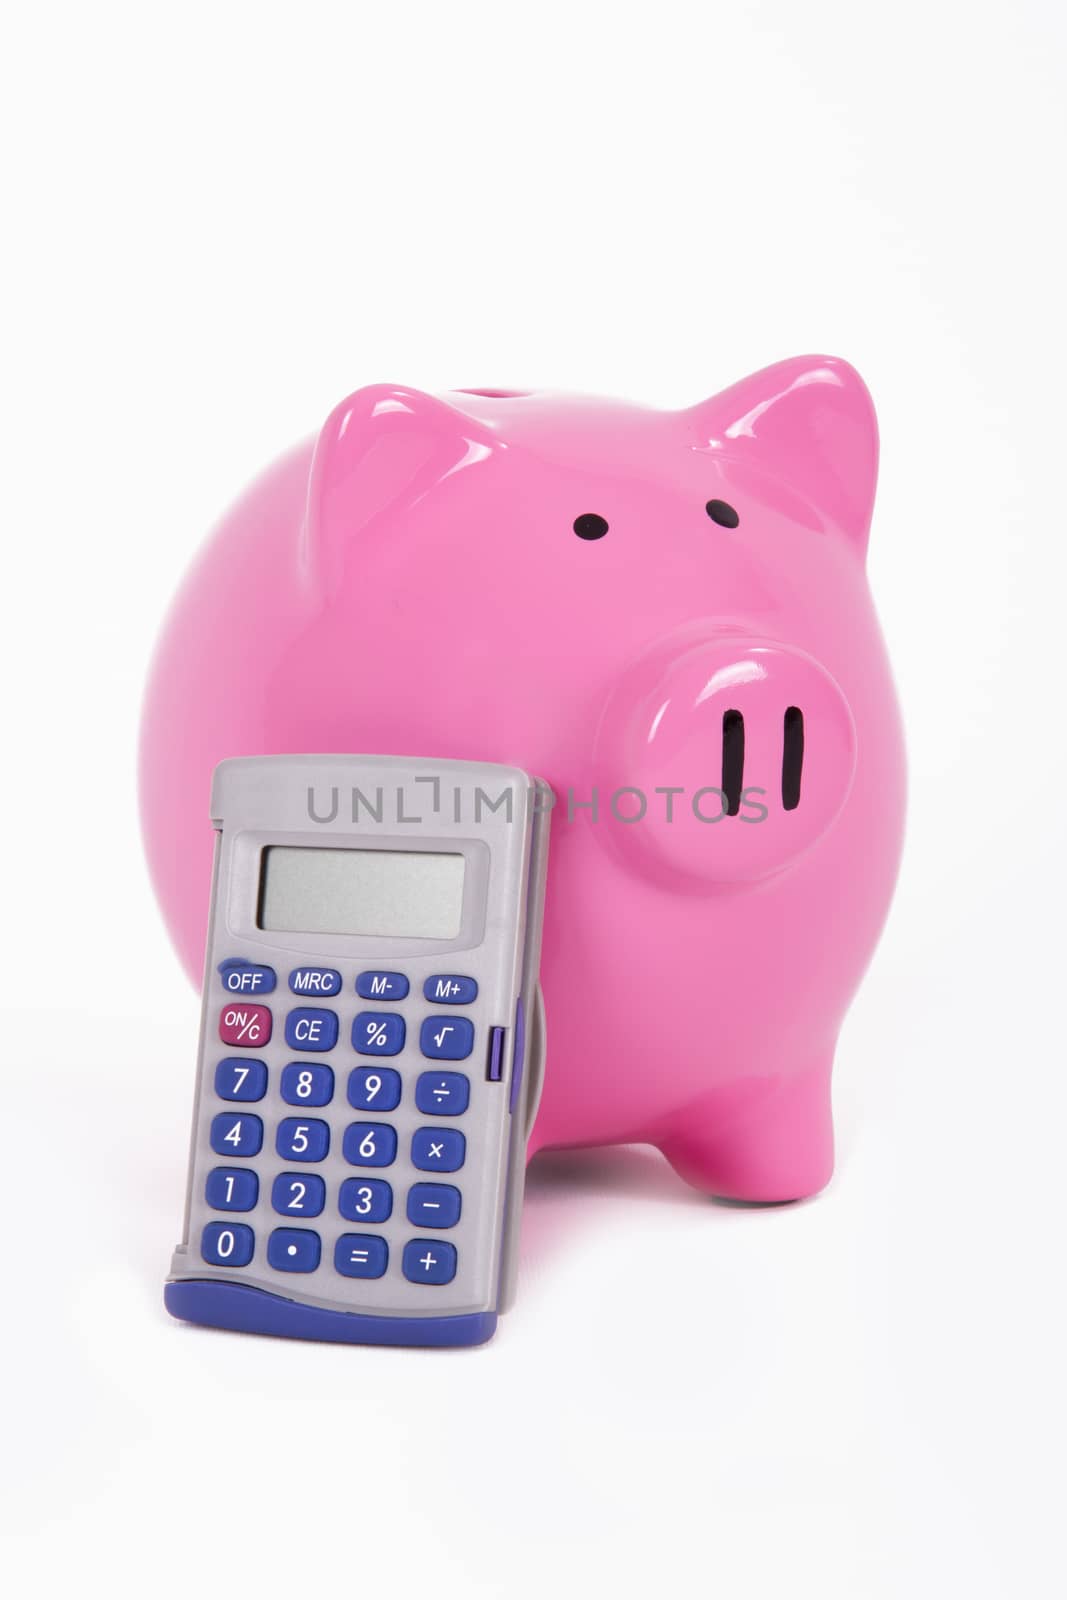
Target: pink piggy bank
664	614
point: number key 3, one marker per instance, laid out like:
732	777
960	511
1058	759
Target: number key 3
365	1200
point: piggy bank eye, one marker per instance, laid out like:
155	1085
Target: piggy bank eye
721	513
590	526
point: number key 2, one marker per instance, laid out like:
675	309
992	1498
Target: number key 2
298	1194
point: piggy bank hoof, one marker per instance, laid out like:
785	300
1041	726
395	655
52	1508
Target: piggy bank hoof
762	1141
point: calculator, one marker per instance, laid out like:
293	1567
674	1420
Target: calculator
371	1049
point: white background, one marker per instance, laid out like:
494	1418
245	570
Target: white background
221	218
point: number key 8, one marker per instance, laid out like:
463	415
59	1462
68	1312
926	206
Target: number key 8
306	1085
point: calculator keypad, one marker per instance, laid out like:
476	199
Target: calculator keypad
285	1096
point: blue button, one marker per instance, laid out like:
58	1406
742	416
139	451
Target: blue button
231	1189
322	981
302	1141
294	1250
365	1200
382	986
308	1028
374	1088
361	1255
434	1205
429	1261
442	1094
244	977
370	1144
305	1085
438	1149
298	1194
239	1079
378	1033
446	1038
233	1135
449	989
227	1244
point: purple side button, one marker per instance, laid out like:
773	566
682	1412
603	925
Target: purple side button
495	1070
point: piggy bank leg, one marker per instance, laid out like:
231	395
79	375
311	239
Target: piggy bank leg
758	1139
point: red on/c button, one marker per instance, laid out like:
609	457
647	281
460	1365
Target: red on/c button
245	1025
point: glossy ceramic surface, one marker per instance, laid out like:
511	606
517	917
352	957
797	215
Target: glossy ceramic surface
704	685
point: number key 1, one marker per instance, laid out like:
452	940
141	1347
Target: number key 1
232	1189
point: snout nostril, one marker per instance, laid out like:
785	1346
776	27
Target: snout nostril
792	757
733	760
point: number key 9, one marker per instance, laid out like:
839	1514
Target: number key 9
374	1089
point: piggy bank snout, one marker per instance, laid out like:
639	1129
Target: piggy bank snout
725	760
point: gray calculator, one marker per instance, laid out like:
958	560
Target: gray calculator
371	1049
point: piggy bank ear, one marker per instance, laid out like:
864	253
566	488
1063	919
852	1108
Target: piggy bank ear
379	452
811	422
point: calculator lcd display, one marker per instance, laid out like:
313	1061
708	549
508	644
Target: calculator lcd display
398	894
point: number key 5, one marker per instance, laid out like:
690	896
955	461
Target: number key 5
302	1141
